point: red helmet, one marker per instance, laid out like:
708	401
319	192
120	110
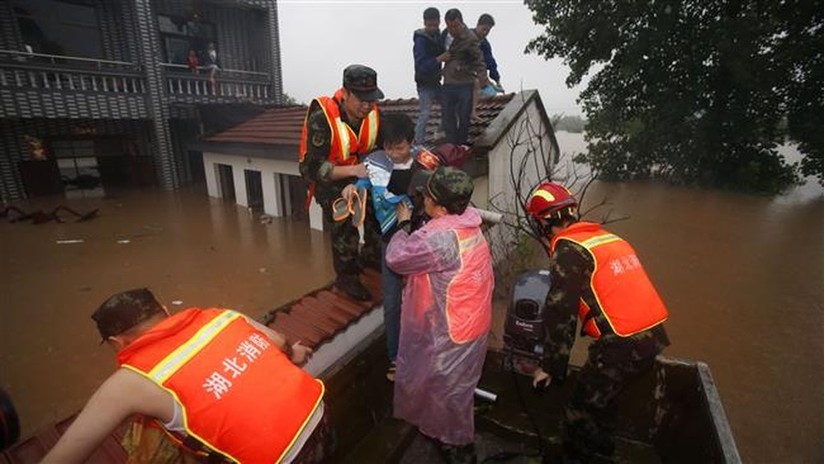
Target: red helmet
549	198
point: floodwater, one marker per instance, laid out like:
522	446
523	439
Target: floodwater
742	276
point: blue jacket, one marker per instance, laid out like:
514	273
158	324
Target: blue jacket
425	49
489	60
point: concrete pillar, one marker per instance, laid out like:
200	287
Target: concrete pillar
157	103
210	170
287	195
271	186
239	177
316	216
274	67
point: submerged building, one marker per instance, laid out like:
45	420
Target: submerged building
98	93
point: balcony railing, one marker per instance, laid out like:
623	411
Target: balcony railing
233	83
39	71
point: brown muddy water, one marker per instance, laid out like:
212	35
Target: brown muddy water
742	276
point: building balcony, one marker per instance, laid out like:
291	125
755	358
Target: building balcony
230	86
52	86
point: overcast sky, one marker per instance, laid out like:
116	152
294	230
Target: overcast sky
320	38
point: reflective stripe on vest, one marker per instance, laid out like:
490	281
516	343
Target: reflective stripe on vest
239	394
469	294
623	292
344	142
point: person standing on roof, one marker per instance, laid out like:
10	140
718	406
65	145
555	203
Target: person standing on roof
338	132
446	313
488	83
596	277
460	72
429	55
482	31
222	386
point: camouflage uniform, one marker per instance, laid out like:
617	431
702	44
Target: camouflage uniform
612	362
317	168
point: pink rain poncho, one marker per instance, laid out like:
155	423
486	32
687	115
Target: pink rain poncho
445	318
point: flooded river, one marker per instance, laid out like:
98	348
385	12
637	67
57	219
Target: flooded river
742	276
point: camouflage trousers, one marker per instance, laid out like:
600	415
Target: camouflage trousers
590	416
348	258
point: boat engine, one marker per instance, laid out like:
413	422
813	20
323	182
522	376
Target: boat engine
524	326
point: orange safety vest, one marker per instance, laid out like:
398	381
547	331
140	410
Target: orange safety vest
239	393
345	142
625	296
469	295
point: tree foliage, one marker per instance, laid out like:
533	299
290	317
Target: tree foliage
693	91
567	123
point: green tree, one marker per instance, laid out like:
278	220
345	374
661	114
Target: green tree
693	91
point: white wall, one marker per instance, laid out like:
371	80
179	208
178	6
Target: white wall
533	136
273	183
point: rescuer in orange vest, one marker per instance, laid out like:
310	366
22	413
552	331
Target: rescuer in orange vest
338	132
223	387
597	278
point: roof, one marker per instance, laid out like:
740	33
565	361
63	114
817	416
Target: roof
276	132
314	319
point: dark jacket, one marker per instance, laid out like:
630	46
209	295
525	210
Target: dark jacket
465	58
489	60
425	49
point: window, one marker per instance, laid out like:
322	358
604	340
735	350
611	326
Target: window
57	27
180	35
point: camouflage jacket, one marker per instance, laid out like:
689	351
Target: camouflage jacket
571	269
316	166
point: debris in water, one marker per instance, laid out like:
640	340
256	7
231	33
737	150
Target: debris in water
177	302
265	219
65	242
262	270
124	241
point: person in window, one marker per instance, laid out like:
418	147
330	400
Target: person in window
213	65
193	61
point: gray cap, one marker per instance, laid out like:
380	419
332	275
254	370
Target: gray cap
363	82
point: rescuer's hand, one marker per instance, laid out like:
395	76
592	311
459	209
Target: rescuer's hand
443	58
359	170
541	379
402	209
300	354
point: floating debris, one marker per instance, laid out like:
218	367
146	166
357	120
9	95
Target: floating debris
177	302
124	241
16	214
66	242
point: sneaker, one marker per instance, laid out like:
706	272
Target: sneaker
354	288
391	372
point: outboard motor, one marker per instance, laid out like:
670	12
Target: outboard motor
524	326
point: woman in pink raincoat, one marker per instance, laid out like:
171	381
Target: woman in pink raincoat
445	314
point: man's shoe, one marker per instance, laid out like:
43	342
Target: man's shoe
354	288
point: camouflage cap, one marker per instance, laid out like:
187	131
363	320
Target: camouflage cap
125	310
451	188
363	82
